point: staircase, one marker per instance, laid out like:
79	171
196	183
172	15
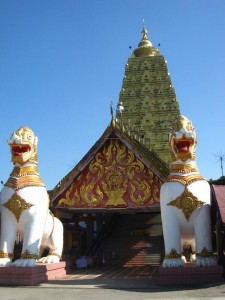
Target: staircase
135	240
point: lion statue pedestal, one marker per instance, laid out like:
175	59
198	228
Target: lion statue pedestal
25	208
185	203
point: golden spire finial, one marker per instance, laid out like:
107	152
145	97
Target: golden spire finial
144	31
145	47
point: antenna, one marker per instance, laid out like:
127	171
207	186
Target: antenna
221	159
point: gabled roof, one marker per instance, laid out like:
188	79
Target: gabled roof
148	157
219	193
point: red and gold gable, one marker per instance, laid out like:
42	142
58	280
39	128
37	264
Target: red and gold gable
114	178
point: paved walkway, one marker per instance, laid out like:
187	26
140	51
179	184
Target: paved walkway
113	273
111	277
111	284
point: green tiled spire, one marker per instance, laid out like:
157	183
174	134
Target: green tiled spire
148	98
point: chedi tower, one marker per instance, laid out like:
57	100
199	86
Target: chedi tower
147	103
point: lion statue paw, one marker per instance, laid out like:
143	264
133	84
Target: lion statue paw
30	262
5	262
193	258
206	261
173	262
51	258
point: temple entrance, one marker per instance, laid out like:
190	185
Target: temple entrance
113	239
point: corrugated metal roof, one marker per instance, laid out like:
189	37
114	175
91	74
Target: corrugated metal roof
219	192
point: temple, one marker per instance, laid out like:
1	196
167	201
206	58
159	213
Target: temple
115	187
109	202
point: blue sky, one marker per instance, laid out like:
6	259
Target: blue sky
62	63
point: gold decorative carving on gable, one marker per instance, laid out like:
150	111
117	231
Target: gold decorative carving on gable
17	205
115	187
92	196
187	202
114	178
72	196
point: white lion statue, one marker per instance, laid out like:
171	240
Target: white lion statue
185	203
25	208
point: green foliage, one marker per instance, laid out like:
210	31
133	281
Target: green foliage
220	181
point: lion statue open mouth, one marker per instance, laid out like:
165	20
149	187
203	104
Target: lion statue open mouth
182	140
25	208
185	203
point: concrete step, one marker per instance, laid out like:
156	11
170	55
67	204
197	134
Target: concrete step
136	240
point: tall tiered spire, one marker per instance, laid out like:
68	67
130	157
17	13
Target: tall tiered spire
148	97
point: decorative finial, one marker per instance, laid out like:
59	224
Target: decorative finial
112	115
144	31
145	47
111	110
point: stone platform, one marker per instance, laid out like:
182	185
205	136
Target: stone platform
190	274
32	276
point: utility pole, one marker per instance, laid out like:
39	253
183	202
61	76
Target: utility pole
221	160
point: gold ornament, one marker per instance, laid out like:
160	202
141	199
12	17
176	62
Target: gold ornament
24	171
72	196
28	255
185	180
155	197
115	197
89	196
204	253
115	187
26	146
24	176
172	254
183	168
67	199
5	255
17	205
184	138
55	254
113	173
140	192
187	202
